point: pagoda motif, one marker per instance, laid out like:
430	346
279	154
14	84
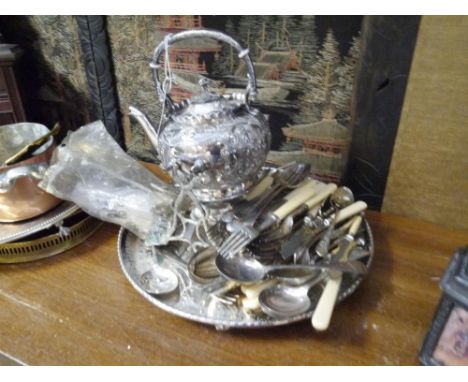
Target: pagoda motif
187	60
173	24
321	144
272	64
326	137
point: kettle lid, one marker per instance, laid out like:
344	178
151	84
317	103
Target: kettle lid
207	106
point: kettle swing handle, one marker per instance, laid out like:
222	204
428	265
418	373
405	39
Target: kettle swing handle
170	39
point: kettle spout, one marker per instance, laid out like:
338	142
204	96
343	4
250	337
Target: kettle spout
145	124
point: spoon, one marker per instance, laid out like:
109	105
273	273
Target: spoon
159	281
249	300
283	301
341	198
246	269
201	265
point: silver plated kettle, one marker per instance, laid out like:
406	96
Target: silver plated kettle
217	144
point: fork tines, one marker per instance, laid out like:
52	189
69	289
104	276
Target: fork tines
236	241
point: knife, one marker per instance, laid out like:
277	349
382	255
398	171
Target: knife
259	188
306	235
246	231
324	309
301	199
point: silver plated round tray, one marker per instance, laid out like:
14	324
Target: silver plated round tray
194	303
14	231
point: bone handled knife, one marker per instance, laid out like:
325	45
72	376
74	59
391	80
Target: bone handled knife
324	309
312	206
302	196
351	210
267	181
259	188
347	243
306	234
306	185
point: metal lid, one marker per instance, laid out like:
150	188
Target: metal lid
208	108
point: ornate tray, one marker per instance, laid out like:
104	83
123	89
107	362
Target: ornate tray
51	241
194	303
15	231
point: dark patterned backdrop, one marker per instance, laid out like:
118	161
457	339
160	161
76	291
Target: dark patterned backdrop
51	73
304	65
320	82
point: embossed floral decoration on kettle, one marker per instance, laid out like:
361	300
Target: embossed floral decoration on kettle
214	143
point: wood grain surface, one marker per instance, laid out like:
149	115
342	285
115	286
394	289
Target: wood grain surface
77	308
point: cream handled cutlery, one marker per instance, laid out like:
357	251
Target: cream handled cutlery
245	232
324	309
267	181
301	200
301	240
288	176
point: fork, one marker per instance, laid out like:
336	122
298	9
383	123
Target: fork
242	228
288	176
245	232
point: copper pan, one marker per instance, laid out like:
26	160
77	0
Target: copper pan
20	196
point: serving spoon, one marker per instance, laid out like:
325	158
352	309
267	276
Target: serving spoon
283	301
243	268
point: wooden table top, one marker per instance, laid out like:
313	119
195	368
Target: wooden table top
77	308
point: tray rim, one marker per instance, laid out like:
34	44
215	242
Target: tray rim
39	223
63	244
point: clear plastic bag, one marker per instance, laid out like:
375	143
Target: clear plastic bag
90	169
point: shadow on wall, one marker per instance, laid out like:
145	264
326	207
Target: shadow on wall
50	74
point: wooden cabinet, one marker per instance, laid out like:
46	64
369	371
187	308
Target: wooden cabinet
11	108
